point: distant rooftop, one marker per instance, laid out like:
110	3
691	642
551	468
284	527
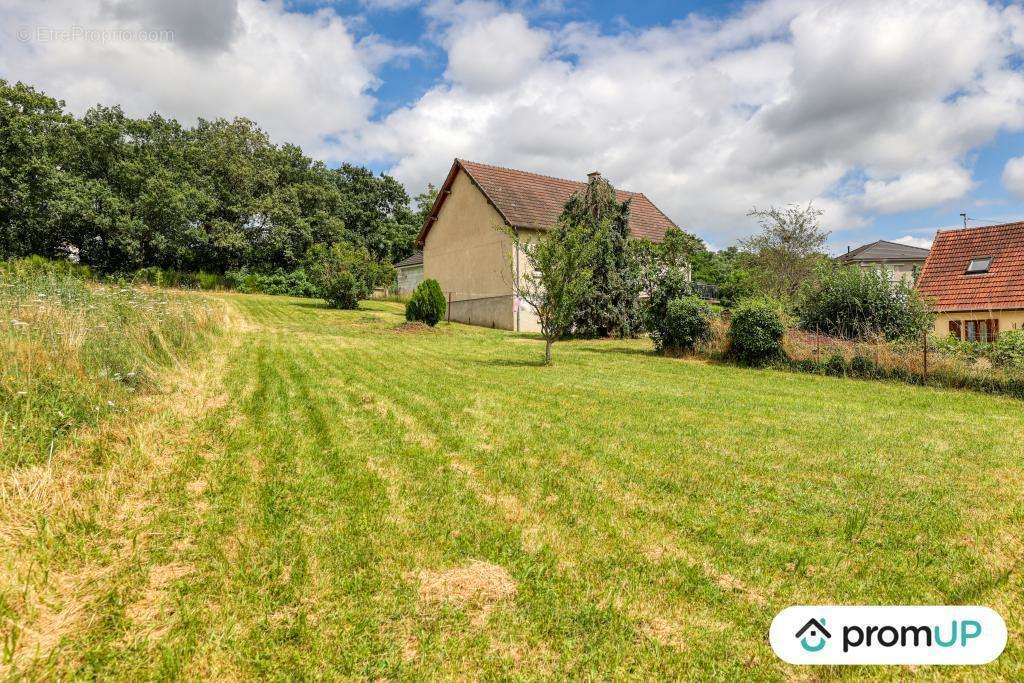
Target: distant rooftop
884	250
415	260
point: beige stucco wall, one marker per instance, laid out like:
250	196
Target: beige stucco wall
470	258
1008	320
896	269
525	316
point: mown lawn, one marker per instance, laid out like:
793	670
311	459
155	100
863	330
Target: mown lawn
329	495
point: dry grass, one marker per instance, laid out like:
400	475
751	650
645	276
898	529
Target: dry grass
51	590
413	327
477	583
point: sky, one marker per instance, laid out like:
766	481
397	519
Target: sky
891	117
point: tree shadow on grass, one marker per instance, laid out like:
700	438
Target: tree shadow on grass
512	362
624	350
309	303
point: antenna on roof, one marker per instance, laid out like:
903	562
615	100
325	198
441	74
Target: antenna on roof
964	216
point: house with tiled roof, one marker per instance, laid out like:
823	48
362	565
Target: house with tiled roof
898	261
475	262
974	279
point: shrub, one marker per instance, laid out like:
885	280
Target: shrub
960	349
1008	350
39	265
291	283
756	331
341	290
854	303
687	322
672	285
862	366
427	303
343	274
835	365
180	279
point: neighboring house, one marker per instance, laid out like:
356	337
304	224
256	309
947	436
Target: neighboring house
473	261
899	261
409	273
974	278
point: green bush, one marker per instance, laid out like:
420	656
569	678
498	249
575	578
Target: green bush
756	331
862	366
427	303
179	279
343	274
341	290
854	303
38	265
290	283
961	349
672	285
686	323
835	365
1008	350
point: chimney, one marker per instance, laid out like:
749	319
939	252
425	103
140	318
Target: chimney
594	175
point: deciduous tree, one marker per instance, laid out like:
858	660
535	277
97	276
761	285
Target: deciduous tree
558	279
786	251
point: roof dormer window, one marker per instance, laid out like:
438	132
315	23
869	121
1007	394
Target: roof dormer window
979	265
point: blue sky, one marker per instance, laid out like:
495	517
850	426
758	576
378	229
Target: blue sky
891	117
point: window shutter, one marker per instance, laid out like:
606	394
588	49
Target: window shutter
993	329
954	329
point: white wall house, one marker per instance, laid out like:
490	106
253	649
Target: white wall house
410	273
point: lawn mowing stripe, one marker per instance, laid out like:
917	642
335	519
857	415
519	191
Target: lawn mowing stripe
845	477
400	392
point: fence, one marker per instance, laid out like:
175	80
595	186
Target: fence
705	290
923	360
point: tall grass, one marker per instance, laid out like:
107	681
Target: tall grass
72	351
950	364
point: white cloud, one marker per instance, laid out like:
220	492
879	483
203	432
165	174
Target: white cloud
917	189
922	242
303	78
494	53
864	107
1013	176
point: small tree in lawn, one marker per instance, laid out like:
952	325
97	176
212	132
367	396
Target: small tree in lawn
560	278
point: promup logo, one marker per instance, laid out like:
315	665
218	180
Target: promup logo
818	634
888	635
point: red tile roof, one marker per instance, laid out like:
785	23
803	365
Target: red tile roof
531	200
944	280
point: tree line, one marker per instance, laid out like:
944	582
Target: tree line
119	193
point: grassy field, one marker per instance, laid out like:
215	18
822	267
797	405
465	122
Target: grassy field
330	494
